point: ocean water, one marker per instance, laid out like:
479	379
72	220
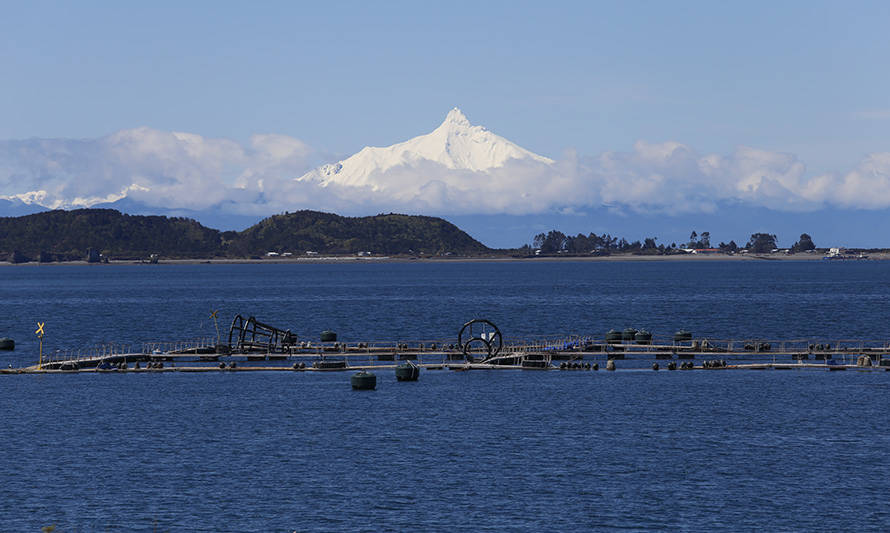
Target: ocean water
468	451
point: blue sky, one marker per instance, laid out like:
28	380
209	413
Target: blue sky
803	77
796	92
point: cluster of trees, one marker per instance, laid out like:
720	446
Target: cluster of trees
804	244
555	242
703	241
67	235
761	243
697	241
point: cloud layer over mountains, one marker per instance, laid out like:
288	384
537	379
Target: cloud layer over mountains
263	176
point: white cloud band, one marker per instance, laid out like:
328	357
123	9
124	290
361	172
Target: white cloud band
182	170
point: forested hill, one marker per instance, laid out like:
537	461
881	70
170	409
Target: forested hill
325	232
66	235
69	234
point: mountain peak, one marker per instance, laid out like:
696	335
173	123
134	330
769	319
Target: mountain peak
455	116
455	145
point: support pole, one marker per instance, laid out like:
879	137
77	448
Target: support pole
39	334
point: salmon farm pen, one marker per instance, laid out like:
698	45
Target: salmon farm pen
254	346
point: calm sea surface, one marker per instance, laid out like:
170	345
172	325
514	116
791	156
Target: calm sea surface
469	451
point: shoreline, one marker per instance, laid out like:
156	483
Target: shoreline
476	259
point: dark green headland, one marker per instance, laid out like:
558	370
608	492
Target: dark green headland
67	235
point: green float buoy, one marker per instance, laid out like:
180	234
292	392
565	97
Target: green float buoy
328	336
364	380
407	371
613	337
7	344
643	337
629	335
682	336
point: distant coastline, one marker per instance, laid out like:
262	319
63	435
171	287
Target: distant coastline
348	259
109	237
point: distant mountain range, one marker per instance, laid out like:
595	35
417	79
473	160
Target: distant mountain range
67	235
15	208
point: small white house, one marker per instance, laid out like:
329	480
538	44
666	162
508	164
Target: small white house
272	254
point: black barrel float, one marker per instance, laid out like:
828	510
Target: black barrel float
682	336
407	371
363	380
643	337
613	337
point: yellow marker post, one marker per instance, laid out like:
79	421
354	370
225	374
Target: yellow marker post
39	334
215	323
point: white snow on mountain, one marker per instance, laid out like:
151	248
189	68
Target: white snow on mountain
455	144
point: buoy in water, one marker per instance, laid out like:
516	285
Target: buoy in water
407	371
610	365
613	337
363	380
654	366
596	366
682	336
7	344
672	366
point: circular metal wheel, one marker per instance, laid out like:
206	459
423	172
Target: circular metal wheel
480	336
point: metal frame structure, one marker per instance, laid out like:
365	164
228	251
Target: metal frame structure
251	335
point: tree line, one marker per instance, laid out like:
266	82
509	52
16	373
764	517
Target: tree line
556	242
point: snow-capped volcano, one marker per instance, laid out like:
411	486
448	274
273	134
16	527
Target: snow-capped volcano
455	144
